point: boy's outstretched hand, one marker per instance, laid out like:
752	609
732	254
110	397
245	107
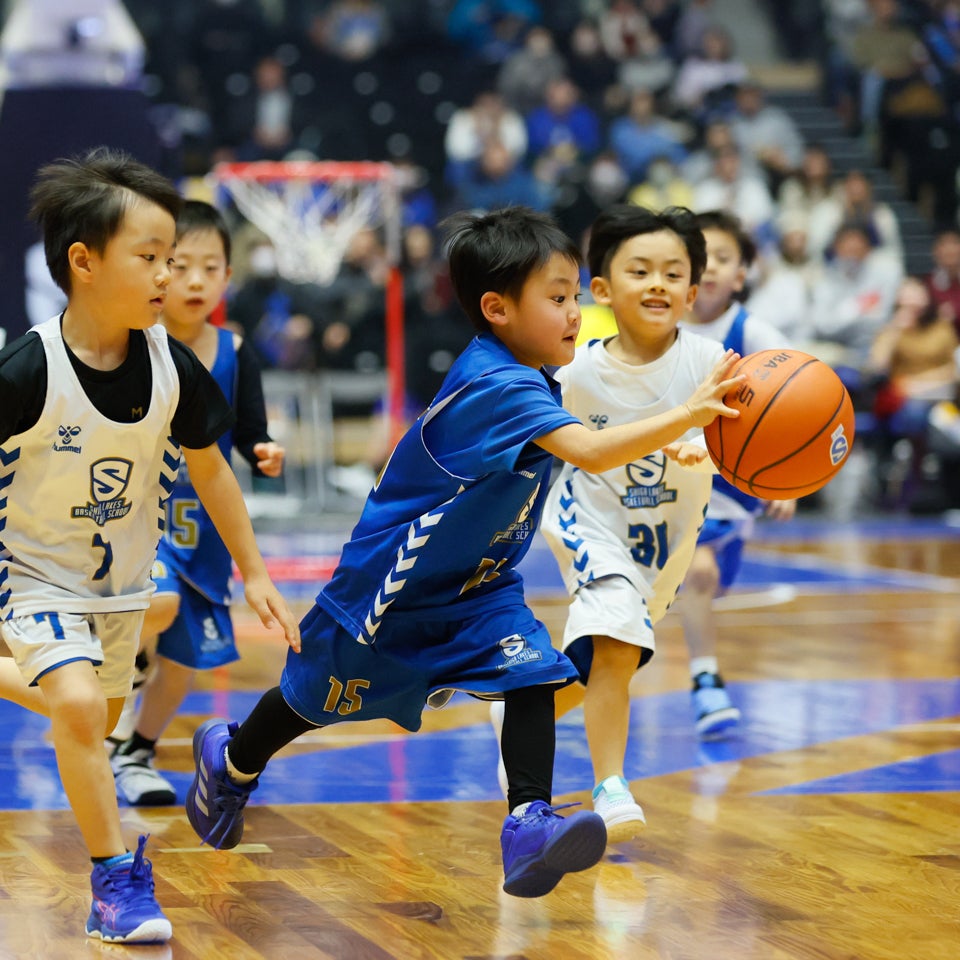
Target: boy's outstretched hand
272	609
269	458
707	400
686	454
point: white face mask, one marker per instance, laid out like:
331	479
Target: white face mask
263	261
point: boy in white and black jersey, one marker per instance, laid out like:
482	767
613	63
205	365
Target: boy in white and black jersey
96	407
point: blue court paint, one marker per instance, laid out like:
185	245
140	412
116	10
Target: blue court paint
939	771
460	764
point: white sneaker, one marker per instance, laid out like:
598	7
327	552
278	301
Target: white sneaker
622	814
496	719
138	783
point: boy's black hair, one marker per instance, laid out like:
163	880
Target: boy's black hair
730	223
498	251
621	221
83	199
197	215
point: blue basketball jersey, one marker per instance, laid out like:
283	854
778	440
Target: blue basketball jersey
456	506
191	548
734	341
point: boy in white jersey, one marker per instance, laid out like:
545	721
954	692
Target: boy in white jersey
96	406
426	598
187	626
625	537
718	314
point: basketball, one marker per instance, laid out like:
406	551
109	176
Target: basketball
795	428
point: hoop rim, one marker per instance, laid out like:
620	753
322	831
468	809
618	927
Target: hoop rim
317	170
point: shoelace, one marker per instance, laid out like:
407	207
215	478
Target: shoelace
230	805
139	875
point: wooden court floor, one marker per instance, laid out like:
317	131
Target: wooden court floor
828	828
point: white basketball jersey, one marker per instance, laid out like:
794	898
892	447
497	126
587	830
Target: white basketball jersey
81	496
639	521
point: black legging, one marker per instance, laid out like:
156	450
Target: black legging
528	742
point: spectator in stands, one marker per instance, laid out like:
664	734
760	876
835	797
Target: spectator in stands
855	203
650	69
743	194
943	281
842	20
623	29
664	16
642	134
852	300
277	317
590	67
498	179
706	80
226	39
563	127
805	190
717	134
911	368
695	19
525	74
576	205
262	121
355	29
885	51
351	333
664	187
492	29
416	198
767	133
782	288
472	128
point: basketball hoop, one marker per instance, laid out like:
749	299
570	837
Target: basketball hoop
311	211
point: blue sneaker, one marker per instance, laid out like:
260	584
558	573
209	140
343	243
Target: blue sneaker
539	847
214	802
124	909
714	712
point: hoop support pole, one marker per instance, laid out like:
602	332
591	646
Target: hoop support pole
396	356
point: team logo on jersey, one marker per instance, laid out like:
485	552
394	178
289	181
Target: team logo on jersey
108	480
515	650
65	435
645	486
599	420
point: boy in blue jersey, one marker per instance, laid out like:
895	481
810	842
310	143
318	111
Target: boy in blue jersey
187	624
719	315
426	599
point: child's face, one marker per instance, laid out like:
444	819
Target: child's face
648	285
132	273
724	276
199	278
540	327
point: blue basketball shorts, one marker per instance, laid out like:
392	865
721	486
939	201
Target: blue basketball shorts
724	538
418	659
201	637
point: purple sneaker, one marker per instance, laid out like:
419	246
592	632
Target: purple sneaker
124	909
539	847
214	802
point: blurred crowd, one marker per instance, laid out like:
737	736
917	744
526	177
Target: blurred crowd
568	106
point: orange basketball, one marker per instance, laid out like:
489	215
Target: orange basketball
794	431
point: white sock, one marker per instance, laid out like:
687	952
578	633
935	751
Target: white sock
520	810
233	773
700	665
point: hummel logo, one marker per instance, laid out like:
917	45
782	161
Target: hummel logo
66	433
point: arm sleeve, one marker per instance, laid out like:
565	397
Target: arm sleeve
250	406
23	385
203	413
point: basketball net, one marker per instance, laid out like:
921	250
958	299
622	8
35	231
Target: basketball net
311	211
